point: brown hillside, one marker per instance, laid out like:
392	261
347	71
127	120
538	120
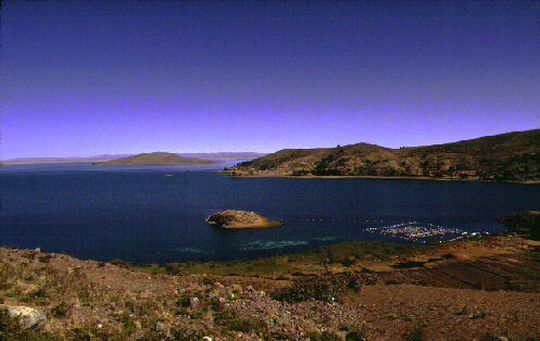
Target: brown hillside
513	156
157	158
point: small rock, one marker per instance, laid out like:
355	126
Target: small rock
477	315
160	327
28	317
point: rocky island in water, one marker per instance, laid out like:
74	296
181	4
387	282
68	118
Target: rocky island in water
235	219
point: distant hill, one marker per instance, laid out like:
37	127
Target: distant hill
512	156
157	158
225	155
54	160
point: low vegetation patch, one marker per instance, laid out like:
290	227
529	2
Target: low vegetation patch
328	287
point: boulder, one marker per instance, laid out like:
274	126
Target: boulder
28	317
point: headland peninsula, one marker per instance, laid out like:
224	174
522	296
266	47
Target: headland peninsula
513	157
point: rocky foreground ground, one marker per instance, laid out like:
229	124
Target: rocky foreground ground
483	290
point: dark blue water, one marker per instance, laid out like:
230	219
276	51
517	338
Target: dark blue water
140	214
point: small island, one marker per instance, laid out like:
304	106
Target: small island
156	158
235	219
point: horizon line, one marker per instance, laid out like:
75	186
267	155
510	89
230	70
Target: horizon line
257	152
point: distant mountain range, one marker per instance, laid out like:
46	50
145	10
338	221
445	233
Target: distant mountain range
108	157
512	156
53	160
157	158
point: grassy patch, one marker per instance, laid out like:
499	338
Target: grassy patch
230	320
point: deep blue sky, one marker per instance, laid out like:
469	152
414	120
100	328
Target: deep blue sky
85	78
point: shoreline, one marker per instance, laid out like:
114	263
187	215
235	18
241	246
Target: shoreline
374	177
383	259
373	248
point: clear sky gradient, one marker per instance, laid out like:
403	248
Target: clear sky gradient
87	78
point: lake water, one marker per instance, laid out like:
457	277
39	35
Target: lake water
156	213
